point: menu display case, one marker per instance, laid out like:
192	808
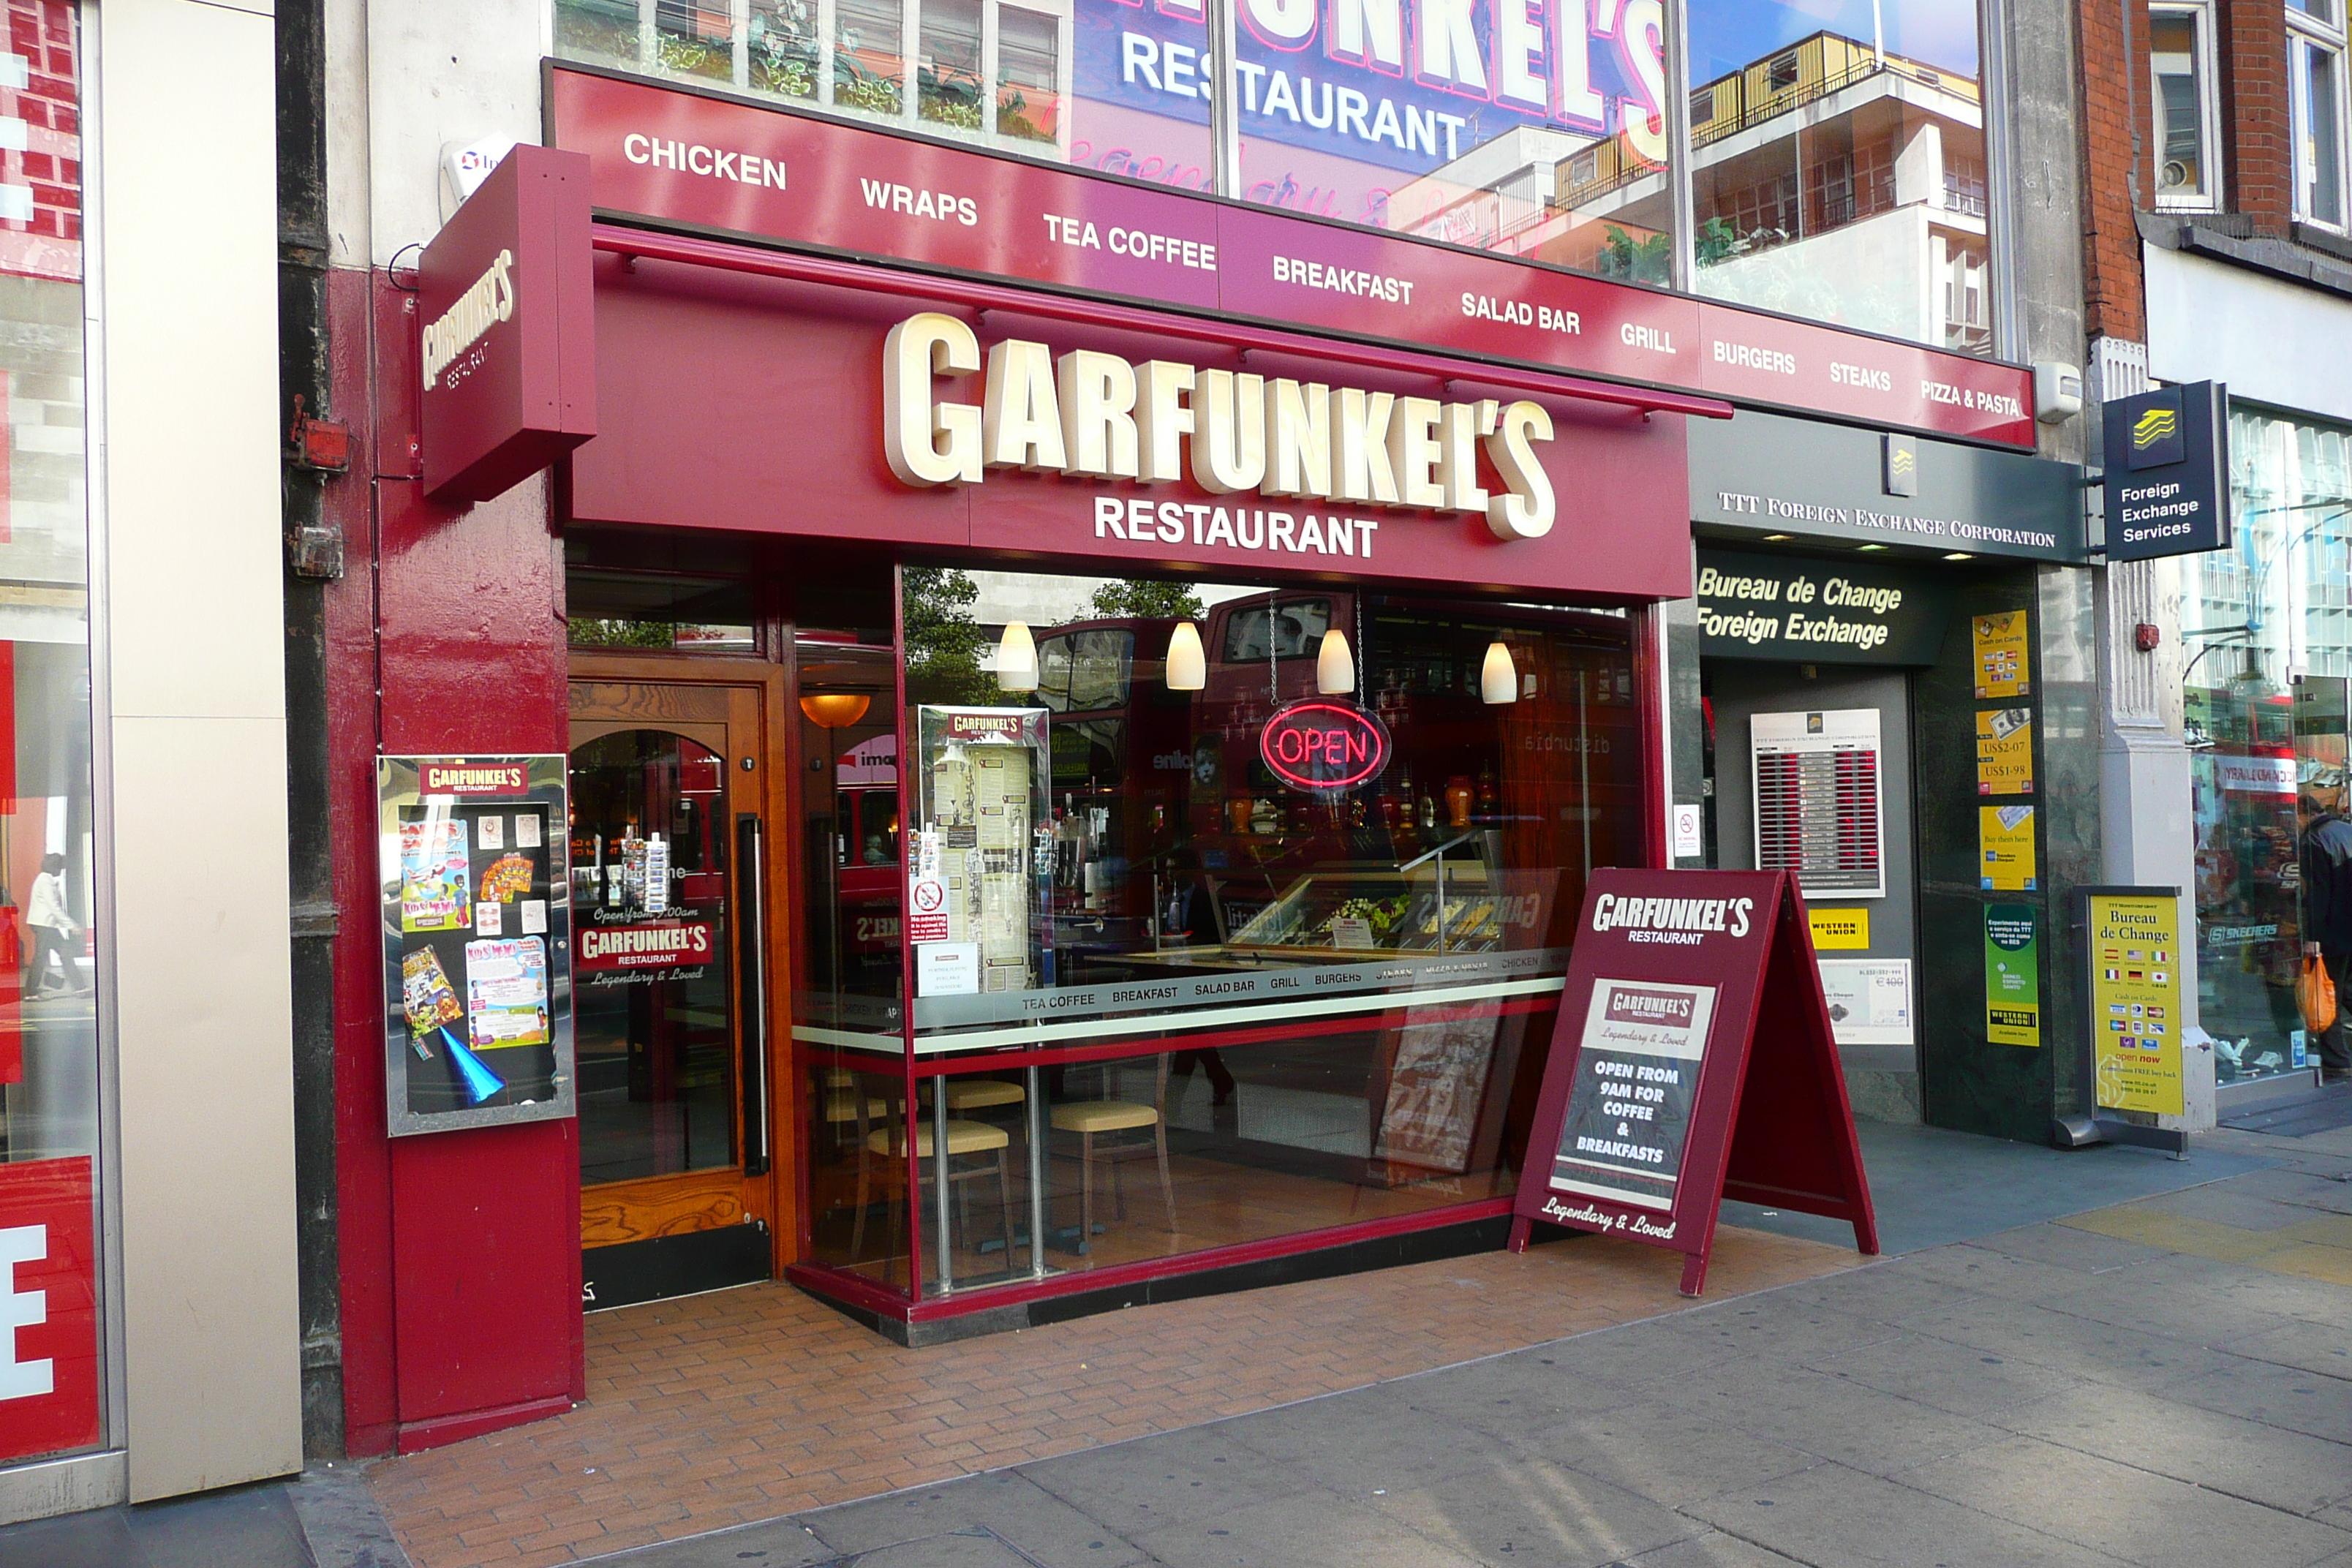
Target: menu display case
476	920
1435	905
980	877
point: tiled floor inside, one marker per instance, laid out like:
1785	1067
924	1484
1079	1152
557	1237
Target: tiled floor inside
753	1402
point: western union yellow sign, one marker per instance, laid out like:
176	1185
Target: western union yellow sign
1835	930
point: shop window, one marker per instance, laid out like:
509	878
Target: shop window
53	949
2184	105
1174	1000
1852	169
2270	638
989	71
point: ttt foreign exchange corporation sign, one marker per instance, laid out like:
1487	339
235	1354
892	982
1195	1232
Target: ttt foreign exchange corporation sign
2167	482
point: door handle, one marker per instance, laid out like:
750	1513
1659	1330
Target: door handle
751	947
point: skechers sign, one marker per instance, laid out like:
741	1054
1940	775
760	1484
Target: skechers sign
1321	747
2166	485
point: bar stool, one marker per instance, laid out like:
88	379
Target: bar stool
1095	1119
966	1095
964	1138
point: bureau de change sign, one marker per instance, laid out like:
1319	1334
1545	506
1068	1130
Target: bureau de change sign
1681	983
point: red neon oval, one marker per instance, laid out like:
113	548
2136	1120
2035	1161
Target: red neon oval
1318	745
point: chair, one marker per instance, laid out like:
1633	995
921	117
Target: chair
964	1138
1095	1119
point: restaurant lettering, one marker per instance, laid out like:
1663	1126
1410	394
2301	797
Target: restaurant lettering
661	946
1671	920
1085	412
489	300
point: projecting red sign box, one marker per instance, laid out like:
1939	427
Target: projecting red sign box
1680	983
48	1309
509	324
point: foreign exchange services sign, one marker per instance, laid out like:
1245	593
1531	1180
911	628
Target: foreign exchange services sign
2168	482
507	353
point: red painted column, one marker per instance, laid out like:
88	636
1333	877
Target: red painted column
460	1250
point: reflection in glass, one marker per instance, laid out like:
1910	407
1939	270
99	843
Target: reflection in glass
49	944
2269	626
2174	49
1317	1008
1838	164
2322	160
652	1026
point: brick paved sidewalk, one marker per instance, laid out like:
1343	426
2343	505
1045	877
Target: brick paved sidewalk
2164	1382
754	1403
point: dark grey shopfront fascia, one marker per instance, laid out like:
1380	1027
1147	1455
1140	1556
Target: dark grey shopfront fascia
1836	572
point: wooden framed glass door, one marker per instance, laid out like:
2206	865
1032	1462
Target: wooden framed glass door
676	905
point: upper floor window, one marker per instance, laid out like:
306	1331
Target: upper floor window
2317	85
2181	66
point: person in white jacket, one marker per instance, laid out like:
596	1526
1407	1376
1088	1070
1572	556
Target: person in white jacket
51	927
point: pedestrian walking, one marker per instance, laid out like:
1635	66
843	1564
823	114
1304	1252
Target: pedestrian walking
2324	905
52	929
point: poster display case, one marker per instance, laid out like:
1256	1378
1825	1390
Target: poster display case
980	880
474	889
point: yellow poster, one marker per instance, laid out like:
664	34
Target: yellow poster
2000	655
2135	1001
1840	929
2005	838
2005	750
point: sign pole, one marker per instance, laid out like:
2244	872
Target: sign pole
2129	1055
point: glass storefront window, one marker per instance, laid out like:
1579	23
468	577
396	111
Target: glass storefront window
1838	164
2269	624
49	1095
1253	1009
1085	82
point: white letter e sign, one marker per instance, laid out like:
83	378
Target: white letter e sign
23	1309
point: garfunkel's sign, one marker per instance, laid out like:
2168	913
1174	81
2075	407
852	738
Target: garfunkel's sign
506	347
1086	412
2168	479
1804	611
1319	745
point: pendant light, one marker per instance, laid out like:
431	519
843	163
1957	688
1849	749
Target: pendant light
1498	679
835	710
1335	667
1016	659
1188	666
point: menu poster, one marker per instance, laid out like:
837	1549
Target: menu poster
1870	1000
1636	1076
2013	975
2005	847
436	889
2135	953
505	994
1692	1061
2000	655
1437	1086
474	914
2005	750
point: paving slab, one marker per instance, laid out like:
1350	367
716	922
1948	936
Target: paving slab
1325	1533
2082	1347
1834	1517
1005	1503
1138	1487
779	1543
1712	1549
2228	1454
1966	1379
2288	1397
2122	1511
1848	1423
1527	1511
1356	1443
1666	1454
2314	1347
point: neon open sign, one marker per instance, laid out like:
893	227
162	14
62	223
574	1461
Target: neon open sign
1319	745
